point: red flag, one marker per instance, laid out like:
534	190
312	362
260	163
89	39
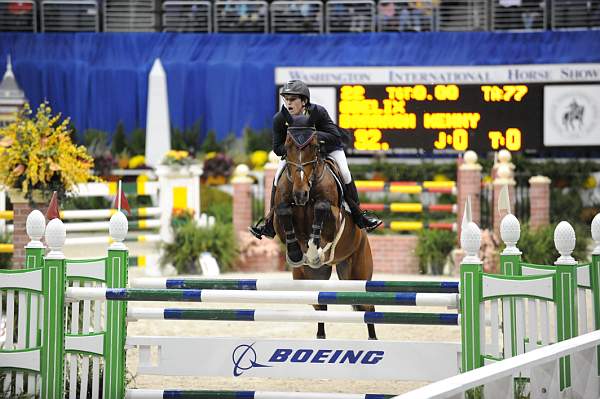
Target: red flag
124	203
53	211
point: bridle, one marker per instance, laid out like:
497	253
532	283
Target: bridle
313	178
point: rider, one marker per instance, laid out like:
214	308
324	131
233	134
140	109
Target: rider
297	102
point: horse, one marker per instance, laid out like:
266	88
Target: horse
309	219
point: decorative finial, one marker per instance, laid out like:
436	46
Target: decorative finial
596	234
35	225
117	230
56	234
510	231
564	241
470	236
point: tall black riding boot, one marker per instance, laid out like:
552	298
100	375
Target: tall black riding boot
361	219
266	228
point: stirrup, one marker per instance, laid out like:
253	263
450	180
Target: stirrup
257	230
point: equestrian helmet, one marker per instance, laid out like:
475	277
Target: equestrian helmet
296	87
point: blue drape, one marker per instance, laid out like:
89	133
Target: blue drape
227	81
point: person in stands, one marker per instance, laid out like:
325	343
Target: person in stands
296	96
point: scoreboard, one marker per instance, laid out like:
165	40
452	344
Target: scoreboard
439	117
528	116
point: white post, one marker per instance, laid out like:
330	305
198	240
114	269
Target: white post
158	127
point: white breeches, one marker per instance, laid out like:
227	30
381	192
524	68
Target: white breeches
338	156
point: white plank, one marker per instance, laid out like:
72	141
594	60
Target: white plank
21	337
541	287
30	280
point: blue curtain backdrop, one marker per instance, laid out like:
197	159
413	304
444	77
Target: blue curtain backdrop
228	80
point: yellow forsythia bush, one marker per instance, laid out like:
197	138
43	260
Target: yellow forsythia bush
37	153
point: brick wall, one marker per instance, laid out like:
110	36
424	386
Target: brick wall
394	254
20	237
539	200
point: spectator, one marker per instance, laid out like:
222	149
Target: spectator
532	11
386	10
409	17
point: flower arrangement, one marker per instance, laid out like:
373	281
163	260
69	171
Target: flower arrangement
259	158
217	168
180	216
136	162
175	157
37	153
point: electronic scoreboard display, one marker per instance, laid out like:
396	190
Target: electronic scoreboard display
534	117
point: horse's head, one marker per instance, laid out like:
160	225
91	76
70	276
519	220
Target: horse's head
302	157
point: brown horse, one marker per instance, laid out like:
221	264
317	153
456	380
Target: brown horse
309	219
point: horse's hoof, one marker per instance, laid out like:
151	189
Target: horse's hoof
314	263
293	263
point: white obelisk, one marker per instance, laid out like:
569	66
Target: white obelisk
158	126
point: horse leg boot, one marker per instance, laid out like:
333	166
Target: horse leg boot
322	211
294	255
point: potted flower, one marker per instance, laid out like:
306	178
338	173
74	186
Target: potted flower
38	156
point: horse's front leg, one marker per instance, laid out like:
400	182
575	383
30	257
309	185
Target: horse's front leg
294	255
314	254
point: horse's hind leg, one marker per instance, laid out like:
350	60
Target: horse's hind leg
359	267
322	273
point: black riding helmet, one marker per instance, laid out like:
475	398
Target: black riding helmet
296	87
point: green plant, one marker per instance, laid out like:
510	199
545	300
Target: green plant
137	142
210	143
187	139
258	140
216	203
433	248
538	245
119	141
191	240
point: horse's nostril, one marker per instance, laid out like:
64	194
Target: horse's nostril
300	196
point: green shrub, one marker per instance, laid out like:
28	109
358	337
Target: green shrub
216	203
433	248
538	245
190	241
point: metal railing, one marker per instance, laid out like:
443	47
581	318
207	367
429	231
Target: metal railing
464	15
350	16
18	16
297	16
405	15
129	16
187	16
70	16
519	16
575	14
250	16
